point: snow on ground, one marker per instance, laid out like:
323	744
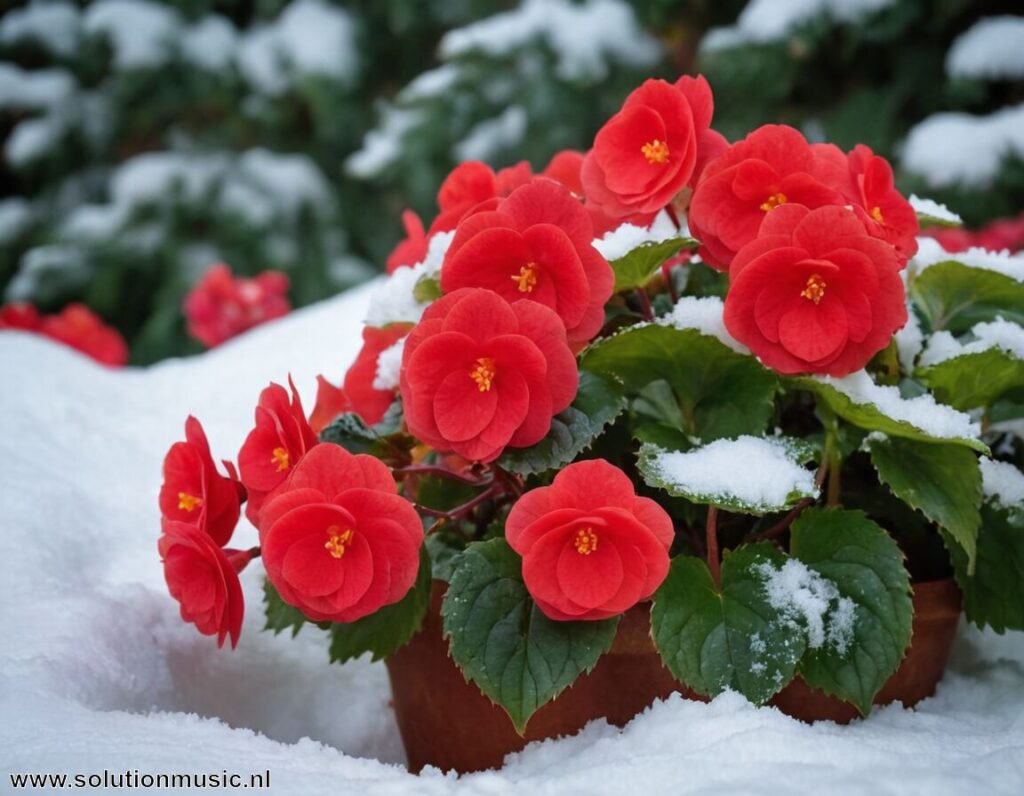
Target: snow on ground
989	50
961	149
97	671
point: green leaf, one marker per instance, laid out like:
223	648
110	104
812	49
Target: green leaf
383	440
865	565
390	627
720	392
685	474
994	594
954	296
872	417
518	657
280	615
974	380
444	548
427	289
636	268
942	481
713	639
926	220
657	418
598	402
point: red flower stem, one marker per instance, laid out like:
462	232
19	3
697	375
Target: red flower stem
782	525
666	272
442	472
711	532
461	511
671	210
645	304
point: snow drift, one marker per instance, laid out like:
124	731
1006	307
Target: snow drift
97	670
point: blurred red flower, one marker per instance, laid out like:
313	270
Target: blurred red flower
221	306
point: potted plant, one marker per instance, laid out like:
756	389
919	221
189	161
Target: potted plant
674	414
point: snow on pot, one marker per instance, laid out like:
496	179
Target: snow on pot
566	429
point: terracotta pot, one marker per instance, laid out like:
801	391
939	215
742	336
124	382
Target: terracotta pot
448	723
936	616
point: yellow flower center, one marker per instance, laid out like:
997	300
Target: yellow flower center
483	373
338	541
281	459
526	279
876	213
773	201
656	152
187	502
585	541
815	289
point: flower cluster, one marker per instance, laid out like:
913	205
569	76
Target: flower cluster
76	326
221	306
808	243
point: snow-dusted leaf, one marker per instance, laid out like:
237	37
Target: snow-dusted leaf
974	380
599	400
518	657
390	627
994	593
755	475
712	639
942	481
636	268
720	392
870	612
955	296
873	407
933	214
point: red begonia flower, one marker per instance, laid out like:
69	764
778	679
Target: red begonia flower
281	438
647	152
1003	233
471	184
535	247
204	579
221	306
479	374
331	401
370	402
21	316
566	168
815	293
591	548
80	328
337	540
194	492
772	166
413	248
882	209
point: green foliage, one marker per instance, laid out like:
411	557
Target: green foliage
719	392
715	638
954	297
636	268
518	657
942	481
994	592
976	380
390	627
280	615
382	440
598	402
866	567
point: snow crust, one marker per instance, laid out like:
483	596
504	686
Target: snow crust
929	207
394	300
811	601
491	136
990	50
961	149
389	365
1002	483
770	20
930	252
909	341
922	412
54	25
623	239
758	471
98	671
706	315
1000	333
138	30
